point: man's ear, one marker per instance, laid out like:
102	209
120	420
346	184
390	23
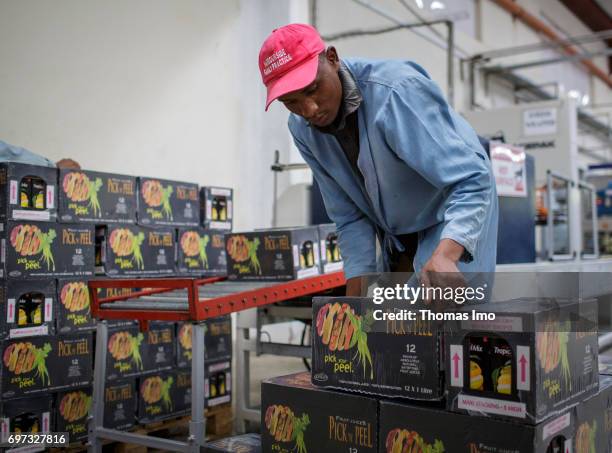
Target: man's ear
331	55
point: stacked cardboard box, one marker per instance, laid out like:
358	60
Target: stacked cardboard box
46	343
527	381
59	230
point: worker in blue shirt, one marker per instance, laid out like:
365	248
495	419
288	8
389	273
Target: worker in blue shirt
18	154
393	160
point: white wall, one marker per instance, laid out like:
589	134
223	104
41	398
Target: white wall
146	87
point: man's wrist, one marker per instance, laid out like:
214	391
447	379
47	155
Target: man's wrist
449	249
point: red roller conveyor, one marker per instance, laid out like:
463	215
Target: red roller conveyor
190	299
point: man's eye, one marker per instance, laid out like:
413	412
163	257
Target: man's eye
312	89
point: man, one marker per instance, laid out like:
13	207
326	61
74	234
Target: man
392	159
12	153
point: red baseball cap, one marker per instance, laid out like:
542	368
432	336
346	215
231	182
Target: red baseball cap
289	59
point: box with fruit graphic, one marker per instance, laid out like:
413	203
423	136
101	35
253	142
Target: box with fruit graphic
536	358
72	364
331	259
592	430
353	351
124	352
27	192
26	415
158	348
217	385
132	250
406	427
33	250
25	366
201	252
120	404
71	411
91	196
218	340
156	397
277	254
243	443
171	203
216	207
605	392
28	308
40	364
297	417
73	307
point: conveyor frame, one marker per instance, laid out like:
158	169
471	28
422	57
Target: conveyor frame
149	305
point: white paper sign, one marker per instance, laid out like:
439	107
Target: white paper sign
508	163
540	122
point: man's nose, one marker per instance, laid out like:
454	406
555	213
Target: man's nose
309	108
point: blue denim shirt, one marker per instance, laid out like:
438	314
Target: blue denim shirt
424	169
12	153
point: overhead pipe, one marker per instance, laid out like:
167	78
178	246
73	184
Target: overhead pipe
540	27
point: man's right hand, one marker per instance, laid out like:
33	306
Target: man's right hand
355	287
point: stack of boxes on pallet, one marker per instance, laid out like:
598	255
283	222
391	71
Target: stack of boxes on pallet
45	329
59	230
526	382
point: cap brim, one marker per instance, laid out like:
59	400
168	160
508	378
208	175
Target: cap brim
296	79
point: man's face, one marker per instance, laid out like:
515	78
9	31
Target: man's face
319	102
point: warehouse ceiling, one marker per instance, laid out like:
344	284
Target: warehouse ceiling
595	14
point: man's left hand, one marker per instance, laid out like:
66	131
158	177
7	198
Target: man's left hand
441	270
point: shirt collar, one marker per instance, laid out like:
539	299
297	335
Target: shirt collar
351	100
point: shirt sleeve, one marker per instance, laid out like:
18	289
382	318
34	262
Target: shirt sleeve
356	233
421	129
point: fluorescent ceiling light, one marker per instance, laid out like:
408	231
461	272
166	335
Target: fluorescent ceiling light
437	5
419	3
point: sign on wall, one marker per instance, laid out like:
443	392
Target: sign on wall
541	121
508	163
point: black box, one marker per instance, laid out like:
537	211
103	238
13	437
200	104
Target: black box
71	411
74	306
201	252
27	192
538	357
217	385
35	250
217	382
120	404
20	375
295	416
91	196
605	392
170	203
403	427
592	427
42	364
243	443
26	415
398	358
218	340
278	254
156	397
72	366
331	259
158	348
216	208
28	308
133	250
124	352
